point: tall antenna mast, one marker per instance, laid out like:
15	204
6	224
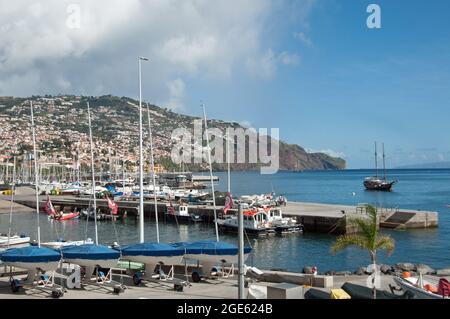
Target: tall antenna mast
210	172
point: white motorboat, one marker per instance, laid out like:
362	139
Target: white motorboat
15	240
59	244
423	288
181	213
283	224
256	222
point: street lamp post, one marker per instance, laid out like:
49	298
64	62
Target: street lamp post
141	158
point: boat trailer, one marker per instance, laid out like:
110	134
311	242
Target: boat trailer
37	279
79	277
140	277
226	270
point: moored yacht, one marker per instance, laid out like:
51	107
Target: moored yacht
376	183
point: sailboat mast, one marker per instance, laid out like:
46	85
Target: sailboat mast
13	189
141	158
228	165
210	173
36	172
93	174
376	160
152	160
384	164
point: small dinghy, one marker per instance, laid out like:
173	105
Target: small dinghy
31	258
15	240
90	255
66	216
211	253
59	244
152	254
424	288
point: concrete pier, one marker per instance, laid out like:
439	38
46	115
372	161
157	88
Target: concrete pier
316	218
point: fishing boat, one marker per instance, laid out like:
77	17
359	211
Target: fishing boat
376	183
424	288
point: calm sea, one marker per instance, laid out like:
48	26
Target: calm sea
417	189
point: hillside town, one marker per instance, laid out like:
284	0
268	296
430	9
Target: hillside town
62	132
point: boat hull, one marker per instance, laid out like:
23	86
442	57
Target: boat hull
260	232
418	292
184	219
13	241
379	186
45	266
103	263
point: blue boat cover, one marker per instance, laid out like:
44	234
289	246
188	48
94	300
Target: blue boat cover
210	247
31	254
90	252
152	249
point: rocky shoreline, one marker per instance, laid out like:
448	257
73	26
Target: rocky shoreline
396	269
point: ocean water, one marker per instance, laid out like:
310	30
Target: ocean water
417	189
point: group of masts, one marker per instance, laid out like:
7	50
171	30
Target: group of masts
376	162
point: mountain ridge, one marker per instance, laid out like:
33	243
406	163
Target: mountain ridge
116	133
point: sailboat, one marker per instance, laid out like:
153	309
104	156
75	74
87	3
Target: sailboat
210	253
93	256
7	240
36	259
150	253
376	183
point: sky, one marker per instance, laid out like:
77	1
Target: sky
311	68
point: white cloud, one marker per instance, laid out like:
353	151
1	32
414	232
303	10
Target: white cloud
266	65
302	37
184	39
287	58
263	66
177	90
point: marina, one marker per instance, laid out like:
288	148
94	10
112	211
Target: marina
203	150
315	217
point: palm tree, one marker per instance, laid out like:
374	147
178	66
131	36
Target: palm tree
367	237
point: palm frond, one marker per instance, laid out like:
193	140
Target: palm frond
385	242
345	241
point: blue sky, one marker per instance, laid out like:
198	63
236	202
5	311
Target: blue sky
356	85
309	67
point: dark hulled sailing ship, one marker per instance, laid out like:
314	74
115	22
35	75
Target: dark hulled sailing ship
376	183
